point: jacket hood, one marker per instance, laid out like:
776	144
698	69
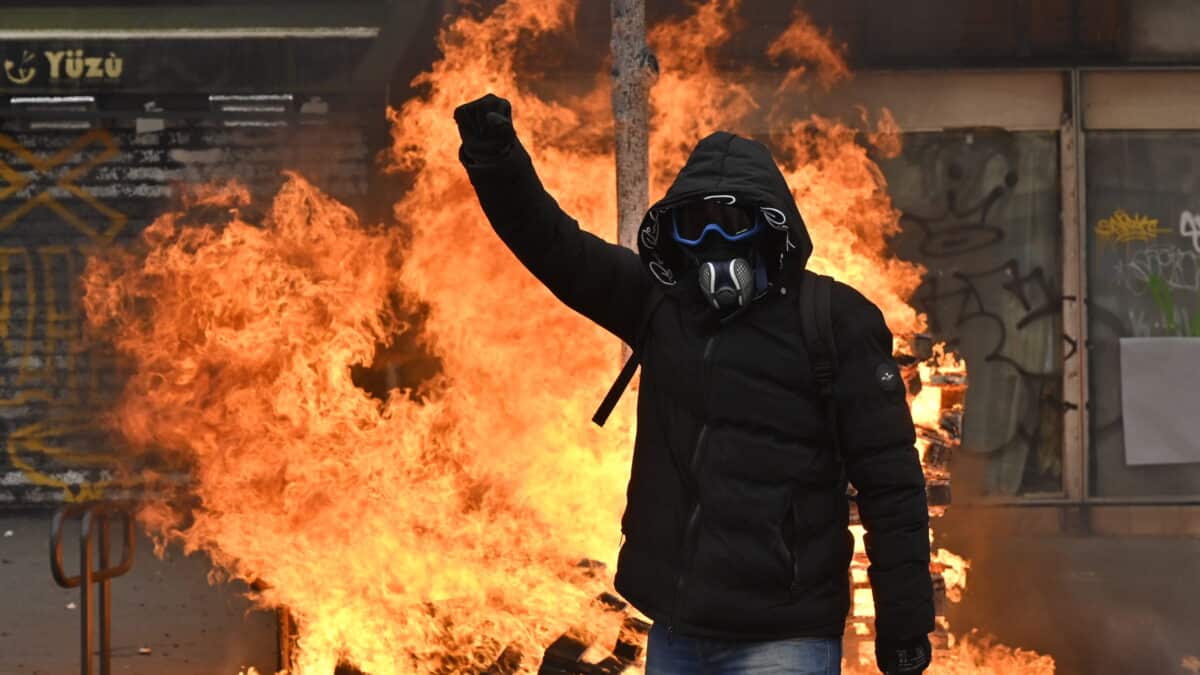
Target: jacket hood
737	171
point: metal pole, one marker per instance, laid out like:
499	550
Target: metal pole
87	602
634	68
104	609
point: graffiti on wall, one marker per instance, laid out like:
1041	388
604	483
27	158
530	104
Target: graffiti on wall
989	238
49	377
65	191
1122	228
1160	277
1189	227
48	178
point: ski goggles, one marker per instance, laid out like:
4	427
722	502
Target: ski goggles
693	222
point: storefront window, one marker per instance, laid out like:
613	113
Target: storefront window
1143	242
981	211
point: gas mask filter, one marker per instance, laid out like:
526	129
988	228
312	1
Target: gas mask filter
727	284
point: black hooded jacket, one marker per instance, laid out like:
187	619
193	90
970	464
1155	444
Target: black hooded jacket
736	519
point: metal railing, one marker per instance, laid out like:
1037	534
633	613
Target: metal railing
95	532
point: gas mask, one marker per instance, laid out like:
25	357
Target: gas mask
720	241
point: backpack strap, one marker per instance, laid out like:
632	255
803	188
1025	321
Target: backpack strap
631	364
816	324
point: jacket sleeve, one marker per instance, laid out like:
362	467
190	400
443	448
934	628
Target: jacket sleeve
605	282
878	438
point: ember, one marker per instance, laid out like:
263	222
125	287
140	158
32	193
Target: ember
441	531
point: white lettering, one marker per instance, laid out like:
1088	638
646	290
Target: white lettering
1189	226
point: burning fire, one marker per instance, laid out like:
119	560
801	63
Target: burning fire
430	532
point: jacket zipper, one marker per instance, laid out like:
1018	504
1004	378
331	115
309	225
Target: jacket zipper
693	520
793	545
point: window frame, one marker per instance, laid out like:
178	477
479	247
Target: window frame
1099	106
939	100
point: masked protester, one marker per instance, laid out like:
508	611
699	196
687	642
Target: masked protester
736	541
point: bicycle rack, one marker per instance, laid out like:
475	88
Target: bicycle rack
96	518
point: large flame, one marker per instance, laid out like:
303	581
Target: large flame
404	537
428	533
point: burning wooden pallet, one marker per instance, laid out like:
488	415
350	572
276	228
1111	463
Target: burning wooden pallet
938	438
567	655
570	655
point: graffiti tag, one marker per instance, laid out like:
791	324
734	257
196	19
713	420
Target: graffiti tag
1189	226
99	141
1179	269
52	376
1122	228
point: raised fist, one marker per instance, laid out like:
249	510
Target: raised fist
485	126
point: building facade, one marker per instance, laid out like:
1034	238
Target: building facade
1047	182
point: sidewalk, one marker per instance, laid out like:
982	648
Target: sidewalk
166	606
1100	605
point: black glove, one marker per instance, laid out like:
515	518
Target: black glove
486	128
903	657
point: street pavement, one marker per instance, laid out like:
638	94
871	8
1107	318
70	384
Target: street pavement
1098	605
167	619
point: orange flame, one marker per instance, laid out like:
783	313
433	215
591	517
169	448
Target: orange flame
397	538
429	532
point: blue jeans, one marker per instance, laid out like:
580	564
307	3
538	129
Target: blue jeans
701	656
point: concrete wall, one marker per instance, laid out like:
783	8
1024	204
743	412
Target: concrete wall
1164	30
